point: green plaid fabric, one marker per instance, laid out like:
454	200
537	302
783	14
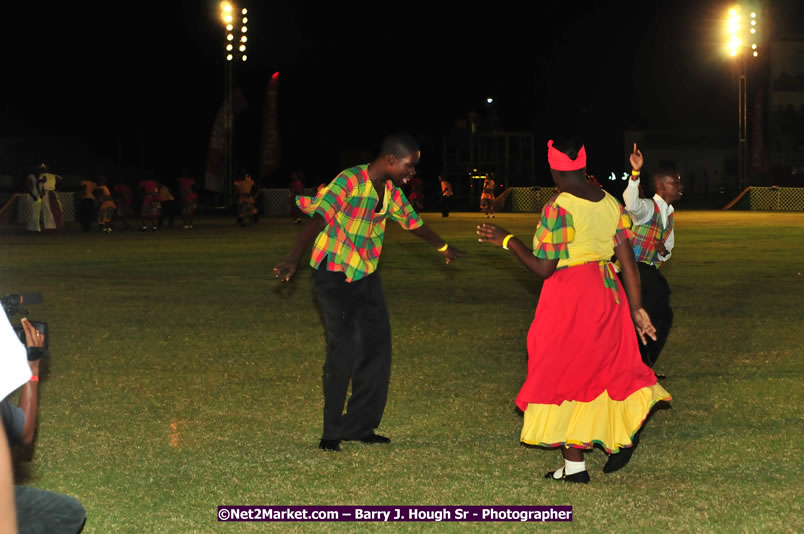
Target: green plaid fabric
554	233
351	242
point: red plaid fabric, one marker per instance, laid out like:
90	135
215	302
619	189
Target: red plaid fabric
352	240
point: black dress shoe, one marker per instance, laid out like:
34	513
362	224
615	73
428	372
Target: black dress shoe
329	445
371	439
582	477
621	459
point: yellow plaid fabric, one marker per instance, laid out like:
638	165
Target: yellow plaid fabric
351	242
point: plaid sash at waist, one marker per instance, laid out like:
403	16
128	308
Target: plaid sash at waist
606	273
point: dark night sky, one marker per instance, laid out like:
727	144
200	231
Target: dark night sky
349	75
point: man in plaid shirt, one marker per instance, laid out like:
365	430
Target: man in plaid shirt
348	227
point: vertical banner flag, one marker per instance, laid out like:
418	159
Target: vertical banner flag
269	150
213	176
759	154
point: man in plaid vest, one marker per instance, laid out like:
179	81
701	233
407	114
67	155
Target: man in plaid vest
653	245
348	225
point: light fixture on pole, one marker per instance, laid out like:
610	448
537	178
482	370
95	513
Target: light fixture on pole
235	49
740	30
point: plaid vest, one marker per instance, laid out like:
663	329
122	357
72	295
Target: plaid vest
645	235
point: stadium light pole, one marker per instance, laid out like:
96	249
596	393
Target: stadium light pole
740	30
235	50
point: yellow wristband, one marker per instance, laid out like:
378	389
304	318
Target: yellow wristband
444	248
506	240
635	173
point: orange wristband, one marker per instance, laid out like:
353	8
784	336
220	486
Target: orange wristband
34	378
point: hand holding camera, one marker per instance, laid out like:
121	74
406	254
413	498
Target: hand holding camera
33	333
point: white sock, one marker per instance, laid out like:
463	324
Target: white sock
570	468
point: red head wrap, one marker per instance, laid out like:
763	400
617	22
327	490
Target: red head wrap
560	162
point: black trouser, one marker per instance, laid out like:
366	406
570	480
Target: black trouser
656	301
446	205
358	348
169	211
86	212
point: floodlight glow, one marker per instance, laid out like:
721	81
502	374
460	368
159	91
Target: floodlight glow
242	48
229	57
229	27
229	47
229	37
244	57
227	18
753	46
226	7
753	23
244	11
753	15
755	53
245	20
243	39
243	29
753	30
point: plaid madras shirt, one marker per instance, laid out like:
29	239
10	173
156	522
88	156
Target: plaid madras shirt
351	241
646	235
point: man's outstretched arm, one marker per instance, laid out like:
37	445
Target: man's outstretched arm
285	270
424	232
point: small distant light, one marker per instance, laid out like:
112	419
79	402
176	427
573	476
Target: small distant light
753	30
242	48
245	20
733	52
229	57
243	39
227	18
229	47
229	27
754	46
229	36
244	57
753	23
753	15
244	11
243	29
755	53
490	100
226	6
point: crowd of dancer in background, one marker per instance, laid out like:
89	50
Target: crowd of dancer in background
105	205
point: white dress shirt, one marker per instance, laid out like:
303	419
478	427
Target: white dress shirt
641	211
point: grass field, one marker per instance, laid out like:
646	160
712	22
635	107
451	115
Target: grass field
183	377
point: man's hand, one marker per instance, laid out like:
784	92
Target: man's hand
491	234
660	248
286	269
33	337
644	326
451	253
636	161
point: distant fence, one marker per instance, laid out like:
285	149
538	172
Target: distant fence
68	201
770	199
530	199
276	202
